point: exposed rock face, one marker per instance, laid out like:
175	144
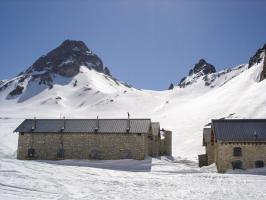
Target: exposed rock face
17	91
257	58
67	59
64	60
263	73
171	86
107	71
44	78
201	68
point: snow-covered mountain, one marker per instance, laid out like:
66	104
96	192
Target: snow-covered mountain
72	81
61	66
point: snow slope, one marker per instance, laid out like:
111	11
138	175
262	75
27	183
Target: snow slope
234	93
185	111
159	179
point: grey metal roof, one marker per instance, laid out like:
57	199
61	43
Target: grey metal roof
85	125
206	135
236	130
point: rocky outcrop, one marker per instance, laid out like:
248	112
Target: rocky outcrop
171	86
202	68
66	60
107	71
17	91
44	78
263	73
258	57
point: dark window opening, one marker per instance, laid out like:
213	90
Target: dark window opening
31	153
237	164
139	134
126	154
22	133
237	151
259	164
60	153
95	154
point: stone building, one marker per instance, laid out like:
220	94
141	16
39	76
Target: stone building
235	144
51	139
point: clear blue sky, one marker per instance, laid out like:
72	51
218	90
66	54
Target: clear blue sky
145	43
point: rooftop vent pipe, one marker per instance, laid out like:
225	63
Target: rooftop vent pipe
255	135
128	122
97	125
33	124
64	124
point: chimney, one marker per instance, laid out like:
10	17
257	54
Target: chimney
64	124
33	124
255	135
128	122
97	124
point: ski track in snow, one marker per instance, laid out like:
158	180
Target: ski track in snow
185	111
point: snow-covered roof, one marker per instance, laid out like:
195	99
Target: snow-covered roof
239	130
84	126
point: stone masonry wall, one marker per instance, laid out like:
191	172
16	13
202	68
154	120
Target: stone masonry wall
81	145
154	146
210	153
251	152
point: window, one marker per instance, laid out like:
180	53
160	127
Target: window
60	153
95	154
126	154
31	153
237	164
259	164
237	151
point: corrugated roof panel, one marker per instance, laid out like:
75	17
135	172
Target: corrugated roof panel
85	125
250	130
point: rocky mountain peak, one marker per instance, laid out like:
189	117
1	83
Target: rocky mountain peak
67	58
201	68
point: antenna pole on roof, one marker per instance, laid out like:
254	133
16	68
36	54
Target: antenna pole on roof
33	123
255	135
97	124
128	122
64	124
